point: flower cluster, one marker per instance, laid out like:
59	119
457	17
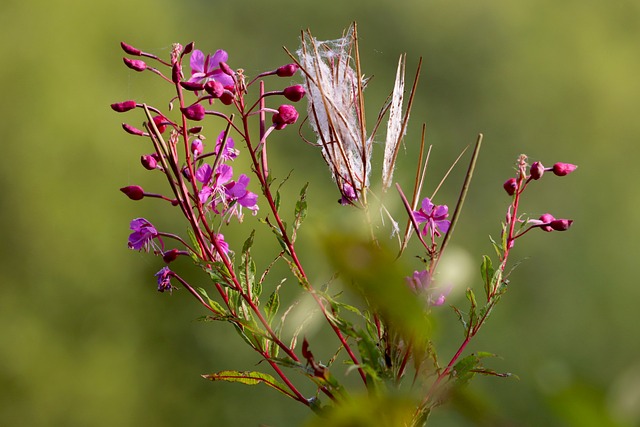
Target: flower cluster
205	186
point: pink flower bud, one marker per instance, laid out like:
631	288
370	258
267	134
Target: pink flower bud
510	186
562	169
192	86
161	123
149	162
561	224
536	170
176	73
188	48
214	88
170	255
196	147
286	115
133	131
134	192
227	97
194	112
130	49
294	93
287	70
122	107
226	69
135	64
546	219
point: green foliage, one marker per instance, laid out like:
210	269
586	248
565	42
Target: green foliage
249	378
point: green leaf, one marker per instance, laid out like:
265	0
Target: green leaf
300	211
473	315
247	275
220	311
249	242
249	378
271	309
463	372
487	271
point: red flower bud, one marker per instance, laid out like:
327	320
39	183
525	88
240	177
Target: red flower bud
561	224
170	255
536	170
510	186
286	115
134	192
133	131
122	107
546	219
176	73
214	88
194	112
135	64
227	97
149	161
130	49
294	93
226	69
193	86
562	169
287	70
188	48
196	147
161	123
195	129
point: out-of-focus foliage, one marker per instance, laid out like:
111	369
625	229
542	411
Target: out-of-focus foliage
86	339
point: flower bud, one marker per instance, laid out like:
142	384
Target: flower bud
227	97
176	73
122	107
536	170
195	129
161	123
134	192
133	131
226	69
561	224
547	219
562	169
135	64
149	161
286	115
170	255
194	112
130	49
188	48
214	88
510	186
192	86
196	147
287	70
294	93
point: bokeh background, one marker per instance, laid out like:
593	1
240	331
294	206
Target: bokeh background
87	341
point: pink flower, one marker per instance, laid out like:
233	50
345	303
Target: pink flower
143	234
420	282
562	169
206	68
434	217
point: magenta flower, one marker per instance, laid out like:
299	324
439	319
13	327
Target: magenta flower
237	191
164	279
420	282
206	68
212	183
143	234
434	217
229	152
224	246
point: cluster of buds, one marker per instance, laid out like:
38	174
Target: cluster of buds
515	186
202	179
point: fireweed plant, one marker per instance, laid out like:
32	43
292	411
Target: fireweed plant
385	341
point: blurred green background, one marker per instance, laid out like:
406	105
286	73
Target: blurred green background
87	341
